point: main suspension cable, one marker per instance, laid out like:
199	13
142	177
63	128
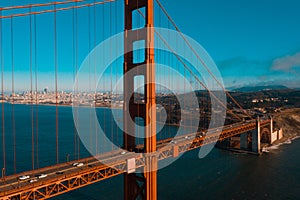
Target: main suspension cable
56	10
190	71
200	59
40	4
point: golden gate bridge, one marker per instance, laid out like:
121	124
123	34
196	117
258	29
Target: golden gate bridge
84	22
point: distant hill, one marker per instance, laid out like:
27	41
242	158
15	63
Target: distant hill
260	88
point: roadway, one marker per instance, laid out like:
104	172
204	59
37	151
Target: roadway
72	177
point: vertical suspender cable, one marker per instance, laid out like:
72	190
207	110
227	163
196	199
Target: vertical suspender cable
76	64
31	90
36	94
56	91
74	71
89	61
158	57
95	82
116	25
169	82
13	94
103	57
110	54
2	91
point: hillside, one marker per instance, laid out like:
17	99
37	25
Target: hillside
289	121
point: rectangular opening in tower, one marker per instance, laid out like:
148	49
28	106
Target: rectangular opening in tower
138	18
139	89
139	51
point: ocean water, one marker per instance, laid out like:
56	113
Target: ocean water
220	175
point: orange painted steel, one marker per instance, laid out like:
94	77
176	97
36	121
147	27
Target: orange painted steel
135	186
93	171
40	5
55	10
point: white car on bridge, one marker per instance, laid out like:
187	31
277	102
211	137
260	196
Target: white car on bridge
24	177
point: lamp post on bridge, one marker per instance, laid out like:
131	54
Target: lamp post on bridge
3	174
67	157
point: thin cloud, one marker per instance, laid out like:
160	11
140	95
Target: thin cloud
286	63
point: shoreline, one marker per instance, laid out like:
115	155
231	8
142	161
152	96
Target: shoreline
265	149
276	145
61	105
288	120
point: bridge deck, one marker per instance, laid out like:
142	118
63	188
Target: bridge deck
116	163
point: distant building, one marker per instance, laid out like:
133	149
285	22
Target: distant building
46	90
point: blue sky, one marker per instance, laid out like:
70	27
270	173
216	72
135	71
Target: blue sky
252	42
247	39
